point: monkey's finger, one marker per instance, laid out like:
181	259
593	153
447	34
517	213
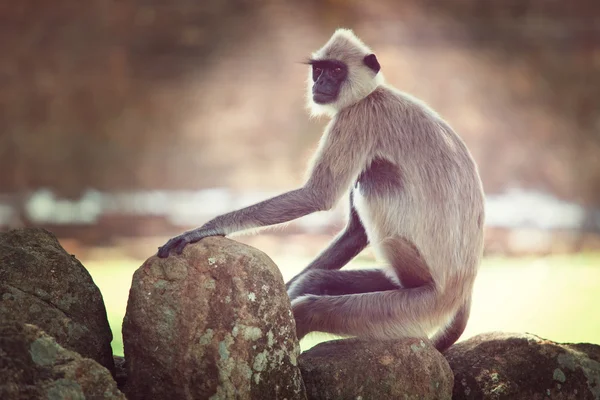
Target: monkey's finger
178	249
164	250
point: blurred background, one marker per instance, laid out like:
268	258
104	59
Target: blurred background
123	123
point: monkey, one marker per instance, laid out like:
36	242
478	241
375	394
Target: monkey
415	196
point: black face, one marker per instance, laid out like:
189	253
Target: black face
328	76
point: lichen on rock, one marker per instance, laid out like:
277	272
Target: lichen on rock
218	326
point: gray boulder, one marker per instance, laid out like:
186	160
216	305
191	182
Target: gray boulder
370	369
523	366
43	285
33	366
214	322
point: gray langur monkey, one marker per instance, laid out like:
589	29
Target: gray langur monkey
415	197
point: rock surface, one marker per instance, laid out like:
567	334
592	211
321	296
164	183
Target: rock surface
524	366
120	374
41	284
363	369
33	366
214	322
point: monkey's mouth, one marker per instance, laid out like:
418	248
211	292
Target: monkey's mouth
323	98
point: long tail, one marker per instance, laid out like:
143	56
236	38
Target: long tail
447	336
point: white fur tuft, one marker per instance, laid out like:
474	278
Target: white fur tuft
345	46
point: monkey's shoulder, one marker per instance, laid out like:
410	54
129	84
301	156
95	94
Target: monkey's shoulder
388	105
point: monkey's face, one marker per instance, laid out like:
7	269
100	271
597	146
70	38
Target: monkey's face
328	77
342	73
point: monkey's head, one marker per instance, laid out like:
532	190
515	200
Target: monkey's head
342	72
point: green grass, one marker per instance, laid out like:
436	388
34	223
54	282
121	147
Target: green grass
557	297
114	280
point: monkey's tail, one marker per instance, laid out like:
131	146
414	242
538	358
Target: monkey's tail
448	335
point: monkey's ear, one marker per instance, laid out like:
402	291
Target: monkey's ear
371	62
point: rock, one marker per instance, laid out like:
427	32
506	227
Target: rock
34	366
41	284
369	369
120	371
214	322
524	366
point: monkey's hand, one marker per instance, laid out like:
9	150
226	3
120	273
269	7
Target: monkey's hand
178	243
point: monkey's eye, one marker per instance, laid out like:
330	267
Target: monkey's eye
337	72
316	72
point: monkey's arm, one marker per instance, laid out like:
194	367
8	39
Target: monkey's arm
279	209
338	162
344	247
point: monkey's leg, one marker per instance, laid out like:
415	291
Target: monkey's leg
389	314
451	333
408	266
406	261
344	247
413	272
334	282
372	305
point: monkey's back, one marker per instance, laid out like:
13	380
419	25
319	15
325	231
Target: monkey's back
437	200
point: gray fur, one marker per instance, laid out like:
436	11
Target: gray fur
416	198
422	208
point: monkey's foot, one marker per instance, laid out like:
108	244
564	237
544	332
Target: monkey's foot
302	308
